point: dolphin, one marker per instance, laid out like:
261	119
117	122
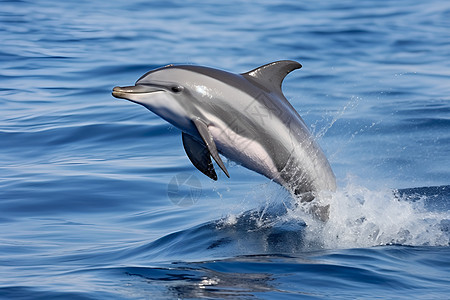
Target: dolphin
245	117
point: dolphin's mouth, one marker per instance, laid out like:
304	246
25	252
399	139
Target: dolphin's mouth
124	91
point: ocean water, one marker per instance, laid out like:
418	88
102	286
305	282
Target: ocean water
99	201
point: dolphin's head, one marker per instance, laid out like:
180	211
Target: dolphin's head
162	91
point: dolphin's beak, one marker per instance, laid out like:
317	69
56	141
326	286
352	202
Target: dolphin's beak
125	92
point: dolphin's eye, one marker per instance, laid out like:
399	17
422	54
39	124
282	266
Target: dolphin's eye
176	89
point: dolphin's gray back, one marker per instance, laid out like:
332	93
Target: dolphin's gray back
279	130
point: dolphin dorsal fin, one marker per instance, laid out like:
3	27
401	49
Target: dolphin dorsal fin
271	75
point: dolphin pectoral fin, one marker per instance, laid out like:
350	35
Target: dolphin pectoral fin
199	156
271	76
209	142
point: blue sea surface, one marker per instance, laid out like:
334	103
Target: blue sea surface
99	201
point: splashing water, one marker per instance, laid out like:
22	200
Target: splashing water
351	104
359	217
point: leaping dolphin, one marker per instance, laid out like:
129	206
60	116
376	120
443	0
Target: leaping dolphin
245	117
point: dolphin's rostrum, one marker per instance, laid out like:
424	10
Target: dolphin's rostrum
245	117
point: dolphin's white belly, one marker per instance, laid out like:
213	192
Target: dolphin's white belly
245	151
303	162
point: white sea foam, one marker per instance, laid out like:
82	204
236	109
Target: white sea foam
359	217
